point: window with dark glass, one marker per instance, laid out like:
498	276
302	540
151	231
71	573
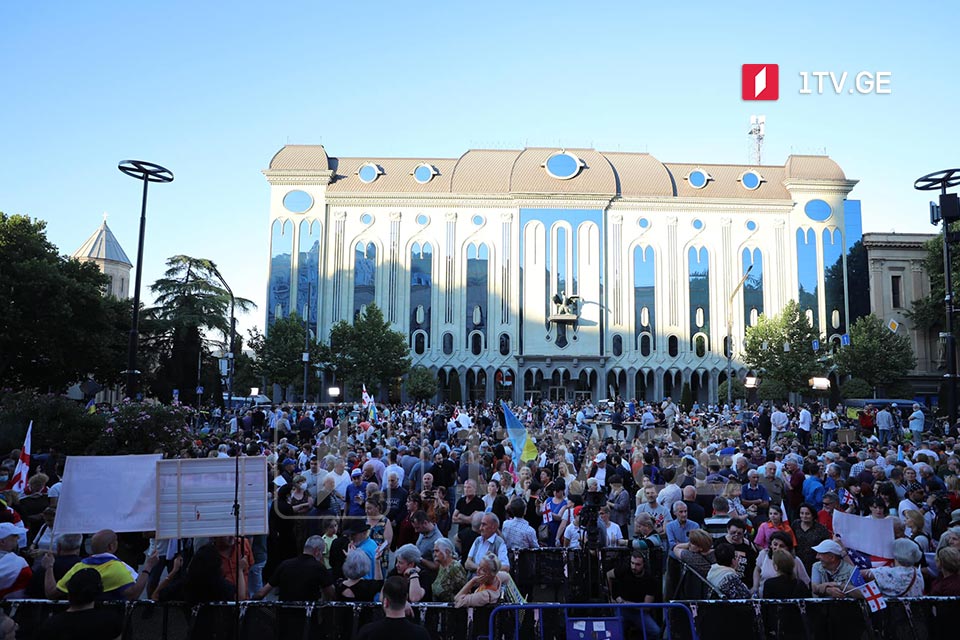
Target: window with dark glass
752	286
504	344
447	343
364	276
833	280
419	343
477	270
281	261
308	272
699	280
895	291
421	284
644	291
645	345
808	293
673	346
618	345
476	344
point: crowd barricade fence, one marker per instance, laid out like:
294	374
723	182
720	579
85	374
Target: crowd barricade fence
926	618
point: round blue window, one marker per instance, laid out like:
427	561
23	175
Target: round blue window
297	201
751	225
750	180
478	220
644	223
423	174
368	172
818	210
422	219
563	165
697	223
366	218
698	179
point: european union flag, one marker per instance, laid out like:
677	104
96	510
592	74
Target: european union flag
860	559
856	579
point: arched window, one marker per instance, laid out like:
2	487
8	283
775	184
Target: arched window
644	290
421	282
419	343
700	345
673	346
504	344
478	259
617	345
364	276
646	344
476	343
447	343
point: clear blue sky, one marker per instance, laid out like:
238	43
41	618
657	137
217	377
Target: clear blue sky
213	90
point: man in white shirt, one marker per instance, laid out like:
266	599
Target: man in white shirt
659	513
489	541
828	422
778	424
916	424
805	424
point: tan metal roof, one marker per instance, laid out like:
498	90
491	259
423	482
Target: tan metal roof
484	171
596	176
605	174
640	174
725	182
300	157
813	168
397	176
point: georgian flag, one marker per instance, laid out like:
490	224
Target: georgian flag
366	397
19	482
870	590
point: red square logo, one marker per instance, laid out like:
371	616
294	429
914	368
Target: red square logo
760	81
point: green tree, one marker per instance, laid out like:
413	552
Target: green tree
876	355
368	352
279	353
191	301
56	326
739	391
421	383
781	348
929	313
856	388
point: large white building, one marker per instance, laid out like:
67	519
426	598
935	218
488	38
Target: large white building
560	272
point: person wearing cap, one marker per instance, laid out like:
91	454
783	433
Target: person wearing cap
830	575
287	469
599	469
15	573
359	533
914	500
356	494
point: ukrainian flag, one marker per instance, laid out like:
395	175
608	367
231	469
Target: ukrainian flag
115	573
523	446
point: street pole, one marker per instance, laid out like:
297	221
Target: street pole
947	213
230	358
730	337
306	343
147	172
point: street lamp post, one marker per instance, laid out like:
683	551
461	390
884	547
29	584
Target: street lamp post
306	343
730	337
230	358
147	172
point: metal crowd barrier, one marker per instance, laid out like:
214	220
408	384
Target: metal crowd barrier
812	619
926	618
582	621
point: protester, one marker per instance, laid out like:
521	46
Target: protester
82	619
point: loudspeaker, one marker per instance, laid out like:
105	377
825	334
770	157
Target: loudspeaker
950	207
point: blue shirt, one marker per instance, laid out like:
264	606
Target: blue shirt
760	493
677	534
354	508
813	491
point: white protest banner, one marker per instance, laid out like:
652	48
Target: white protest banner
195	497
108	492
871	536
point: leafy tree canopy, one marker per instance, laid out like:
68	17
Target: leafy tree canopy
421	383
368	352
55	324
280	352
876	355
781	348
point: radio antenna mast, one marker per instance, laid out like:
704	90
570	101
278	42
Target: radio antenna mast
757	128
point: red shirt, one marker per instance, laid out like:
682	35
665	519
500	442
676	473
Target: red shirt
826	519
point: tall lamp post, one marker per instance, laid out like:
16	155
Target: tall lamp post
306	343
147	172
947	212
230	358
730	337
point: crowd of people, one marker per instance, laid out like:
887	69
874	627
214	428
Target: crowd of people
421	503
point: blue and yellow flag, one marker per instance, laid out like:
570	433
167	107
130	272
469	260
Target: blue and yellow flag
523	446
115	573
